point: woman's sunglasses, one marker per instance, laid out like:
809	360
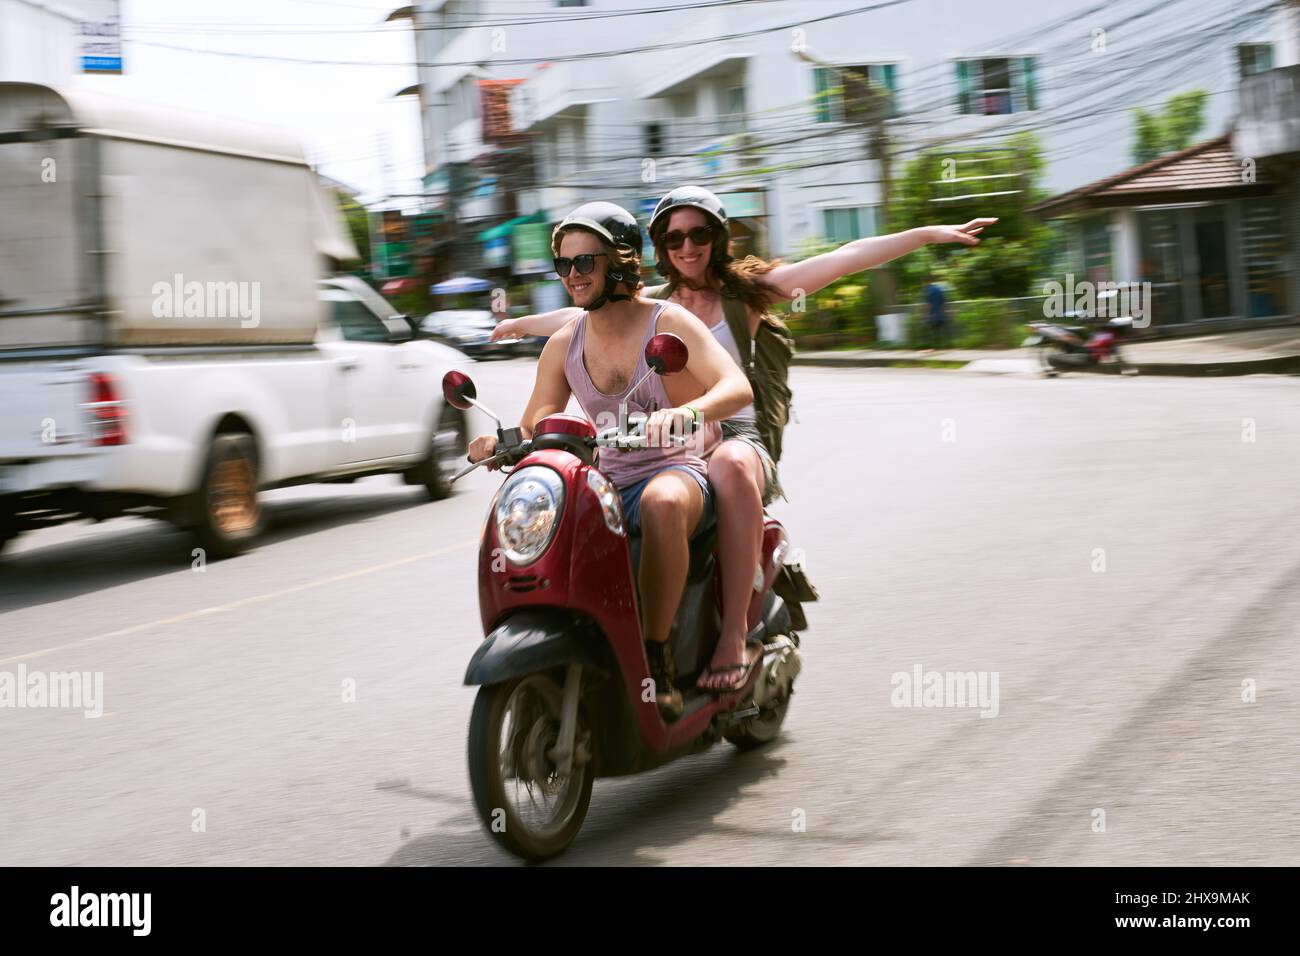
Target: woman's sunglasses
699	236
585	263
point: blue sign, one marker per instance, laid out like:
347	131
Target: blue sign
101	64
101	36
645	208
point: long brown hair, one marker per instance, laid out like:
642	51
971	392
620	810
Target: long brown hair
737	278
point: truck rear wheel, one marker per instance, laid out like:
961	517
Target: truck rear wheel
8	529
447	448
229	516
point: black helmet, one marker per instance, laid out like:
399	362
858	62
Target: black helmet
616	226
697	197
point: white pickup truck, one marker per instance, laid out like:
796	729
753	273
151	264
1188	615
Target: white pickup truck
171	338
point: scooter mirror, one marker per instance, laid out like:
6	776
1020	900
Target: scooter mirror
459	391
666	354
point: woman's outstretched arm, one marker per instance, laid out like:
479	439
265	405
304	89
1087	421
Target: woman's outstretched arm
812	275
544	323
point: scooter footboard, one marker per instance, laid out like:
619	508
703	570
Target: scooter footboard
535	639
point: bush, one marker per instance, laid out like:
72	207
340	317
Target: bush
982	325
842	312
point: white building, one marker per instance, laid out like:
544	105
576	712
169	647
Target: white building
41	40
1214	228
746	97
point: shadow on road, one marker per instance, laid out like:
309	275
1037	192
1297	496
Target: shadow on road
632	820
139	548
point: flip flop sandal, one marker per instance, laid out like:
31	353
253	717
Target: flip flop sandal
744	669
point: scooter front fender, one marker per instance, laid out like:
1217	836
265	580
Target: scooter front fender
536	639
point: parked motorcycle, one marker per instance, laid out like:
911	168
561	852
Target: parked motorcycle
565	693
1063	348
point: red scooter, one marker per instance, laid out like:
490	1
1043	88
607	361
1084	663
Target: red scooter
565	693
1062	348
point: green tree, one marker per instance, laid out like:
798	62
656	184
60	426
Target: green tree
358	220
1170	129
1184	118
1147	136
956	184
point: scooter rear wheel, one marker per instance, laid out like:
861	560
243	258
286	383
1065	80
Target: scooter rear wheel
524	804
1043	354
760	729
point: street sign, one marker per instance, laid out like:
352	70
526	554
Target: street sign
531	245
101	37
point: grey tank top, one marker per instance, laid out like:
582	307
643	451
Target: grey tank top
722	332
625	468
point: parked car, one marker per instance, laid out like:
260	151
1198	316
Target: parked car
205	356
467	330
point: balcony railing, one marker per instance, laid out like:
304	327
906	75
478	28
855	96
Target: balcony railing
1269	124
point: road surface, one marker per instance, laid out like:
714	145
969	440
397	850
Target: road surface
1120	555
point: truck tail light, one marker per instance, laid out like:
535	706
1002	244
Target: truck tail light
107	410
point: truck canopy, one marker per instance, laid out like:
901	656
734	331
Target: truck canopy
131	224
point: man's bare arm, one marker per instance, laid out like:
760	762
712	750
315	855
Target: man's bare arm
726	389
550	395
551	387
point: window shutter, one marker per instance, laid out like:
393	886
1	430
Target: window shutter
963	86
821	87
889	76
1028	86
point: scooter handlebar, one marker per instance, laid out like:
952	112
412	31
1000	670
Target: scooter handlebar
634	439
509	456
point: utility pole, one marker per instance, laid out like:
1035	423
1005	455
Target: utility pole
862	96
868	107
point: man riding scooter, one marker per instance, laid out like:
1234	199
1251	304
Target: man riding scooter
664	488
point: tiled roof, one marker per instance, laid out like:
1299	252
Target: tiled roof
1204	167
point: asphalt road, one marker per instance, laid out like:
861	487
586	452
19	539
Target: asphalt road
1114	550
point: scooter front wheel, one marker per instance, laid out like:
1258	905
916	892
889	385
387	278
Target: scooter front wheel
527	806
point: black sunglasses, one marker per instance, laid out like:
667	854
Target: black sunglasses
585	263
700	236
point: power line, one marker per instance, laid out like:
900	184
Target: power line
797	140
519	61
1171	59
471	21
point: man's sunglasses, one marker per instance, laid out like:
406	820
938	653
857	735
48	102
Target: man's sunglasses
699	236
585	263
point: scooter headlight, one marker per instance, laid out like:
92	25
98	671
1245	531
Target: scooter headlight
528	512
610	502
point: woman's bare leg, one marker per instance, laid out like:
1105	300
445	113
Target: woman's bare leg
736	474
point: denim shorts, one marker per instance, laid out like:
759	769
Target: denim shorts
746	431
631	496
